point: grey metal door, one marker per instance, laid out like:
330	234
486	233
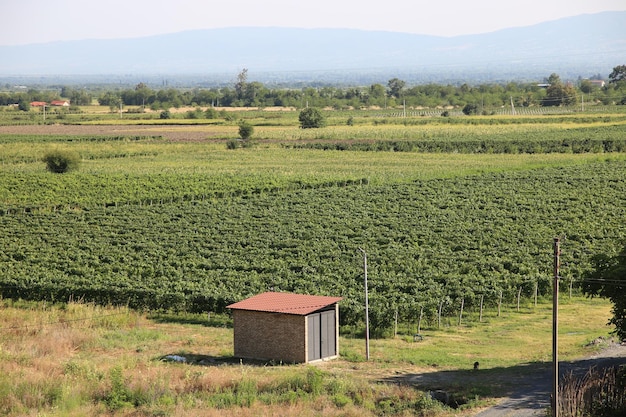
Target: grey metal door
328	342
315	335
322	335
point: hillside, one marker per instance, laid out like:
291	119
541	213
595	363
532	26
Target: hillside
582	45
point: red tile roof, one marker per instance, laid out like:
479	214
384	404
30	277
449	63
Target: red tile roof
277	302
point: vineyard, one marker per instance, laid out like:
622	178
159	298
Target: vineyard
155	223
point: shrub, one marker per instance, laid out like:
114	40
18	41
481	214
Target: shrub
165	114
311	118
210	113
59	161
470	109
245	130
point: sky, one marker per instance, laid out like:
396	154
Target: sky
41	21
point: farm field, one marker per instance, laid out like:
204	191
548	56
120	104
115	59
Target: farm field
166	219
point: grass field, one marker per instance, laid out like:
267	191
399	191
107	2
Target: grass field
77	359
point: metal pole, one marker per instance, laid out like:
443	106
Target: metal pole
555	330
367	315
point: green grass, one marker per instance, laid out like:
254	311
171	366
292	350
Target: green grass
62	360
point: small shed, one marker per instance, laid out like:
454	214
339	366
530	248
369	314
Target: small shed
292	328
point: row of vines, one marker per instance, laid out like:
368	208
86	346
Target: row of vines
432	244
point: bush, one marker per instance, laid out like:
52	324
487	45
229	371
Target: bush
311	118
470	109
165	114
59	161
245	130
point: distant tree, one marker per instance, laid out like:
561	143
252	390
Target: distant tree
608	280
143	94
311	117
60	161
470	109
586	86
559	94
618	74
396	86
242	83
23	104
165	114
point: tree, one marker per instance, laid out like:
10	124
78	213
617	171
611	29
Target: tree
395	87
23	105
311	117
608	280
60	161
242	82
470	109
559	94
618	74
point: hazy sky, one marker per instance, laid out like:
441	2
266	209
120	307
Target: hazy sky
34	21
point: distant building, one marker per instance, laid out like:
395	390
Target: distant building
598	83
38	103
62	103
291	328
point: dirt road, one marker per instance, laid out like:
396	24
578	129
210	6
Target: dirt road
533	396
524	389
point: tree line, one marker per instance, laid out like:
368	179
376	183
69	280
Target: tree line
552	91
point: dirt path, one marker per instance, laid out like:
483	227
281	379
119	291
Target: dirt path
533	396
524	389
171	132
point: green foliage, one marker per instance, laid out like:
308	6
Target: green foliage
245	130
435	238
618	74
470	109
194	114
61	161
23	105
165	114
608	279
211	113
232	144
311	117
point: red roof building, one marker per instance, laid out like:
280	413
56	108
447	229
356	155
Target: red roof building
62	103
292	328
38	103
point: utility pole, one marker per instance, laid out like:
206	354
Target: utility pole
367	315
555	330
582	102
512	107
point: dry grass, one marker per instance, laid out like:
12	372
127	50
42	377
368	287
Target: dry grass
84	360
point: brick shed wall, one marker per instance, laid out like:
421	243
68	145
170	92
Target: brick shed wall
269	336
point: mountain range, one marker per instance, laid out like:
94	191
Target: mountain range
576	46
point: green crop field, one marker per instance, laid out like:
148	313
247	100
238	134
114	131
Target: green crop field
152	219
163	220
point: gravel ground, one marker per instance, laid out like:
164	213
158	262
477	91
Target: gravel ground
532	397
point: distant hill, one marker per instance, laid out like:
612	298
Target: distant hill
581	45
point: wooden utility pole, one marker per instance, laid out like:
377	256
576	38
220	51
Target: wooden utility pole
555	330
367	315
